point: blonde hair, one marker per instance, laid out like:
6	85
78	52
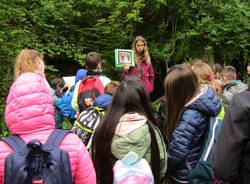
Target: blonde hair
146	50
27	61
205	74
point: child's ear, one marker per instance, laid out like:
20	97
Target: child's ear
224	78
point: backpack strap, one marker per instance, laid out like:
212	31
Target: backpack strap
213	123
15	142
56	137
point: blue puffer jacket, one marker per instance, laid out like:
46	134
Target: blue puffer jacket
188	136
65	105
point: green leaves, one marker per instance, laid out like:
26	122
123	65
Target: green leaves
176	31
222	24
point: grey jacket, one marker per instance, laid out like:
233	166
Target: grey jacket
230	90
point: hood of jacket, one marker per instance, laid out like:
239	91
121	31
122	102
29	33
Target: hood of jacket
80	74
131	133
103	100
29	105
137	141
130	122
206	102
232	88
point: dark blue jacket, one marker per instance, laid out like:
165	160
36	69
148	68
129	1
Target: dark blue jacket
188	136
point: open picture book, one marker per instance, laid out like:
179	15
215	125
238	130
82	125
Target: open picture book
124	56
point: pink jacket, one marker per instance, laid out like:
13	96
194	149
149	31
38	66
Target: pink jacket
147	75
29	113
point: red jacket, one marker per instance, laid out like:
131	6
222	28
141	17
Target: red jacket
30	114
147	75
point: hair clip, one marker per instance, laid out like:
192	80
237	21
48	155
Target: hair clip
211	77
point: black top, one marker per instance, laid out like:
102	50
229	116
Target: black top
231	159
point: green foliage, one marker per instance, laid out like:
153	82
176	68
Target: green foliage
223	25
66	124
177	31
5	81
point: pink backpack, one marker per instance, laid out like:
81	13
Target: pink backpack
132	170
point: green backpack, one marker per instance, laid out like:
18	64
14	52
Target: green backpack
203	172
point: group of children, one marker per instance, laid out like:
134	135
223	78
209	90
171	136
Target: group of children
193	94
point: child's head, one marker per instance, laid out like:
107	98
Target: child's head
228	73
181	85
178	81
28	60
111	87
203	71
58	85
130	96
205	75
93	61
217	68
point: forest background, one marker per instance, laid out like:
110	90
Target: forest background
177	31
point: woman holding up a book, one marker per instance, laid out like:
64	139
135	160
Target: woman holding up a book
143	68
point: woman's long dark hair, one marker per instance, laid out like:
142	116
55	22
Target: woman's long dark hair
180	84
129	97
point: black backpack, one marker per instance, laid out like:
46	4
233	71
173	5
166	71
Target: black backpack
36	163
86	124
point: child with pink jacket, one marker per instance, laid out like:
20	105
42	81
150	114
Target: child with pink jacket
29	113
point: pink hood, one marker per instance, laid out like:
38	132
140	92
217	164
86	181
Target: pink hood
29	106
129	122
